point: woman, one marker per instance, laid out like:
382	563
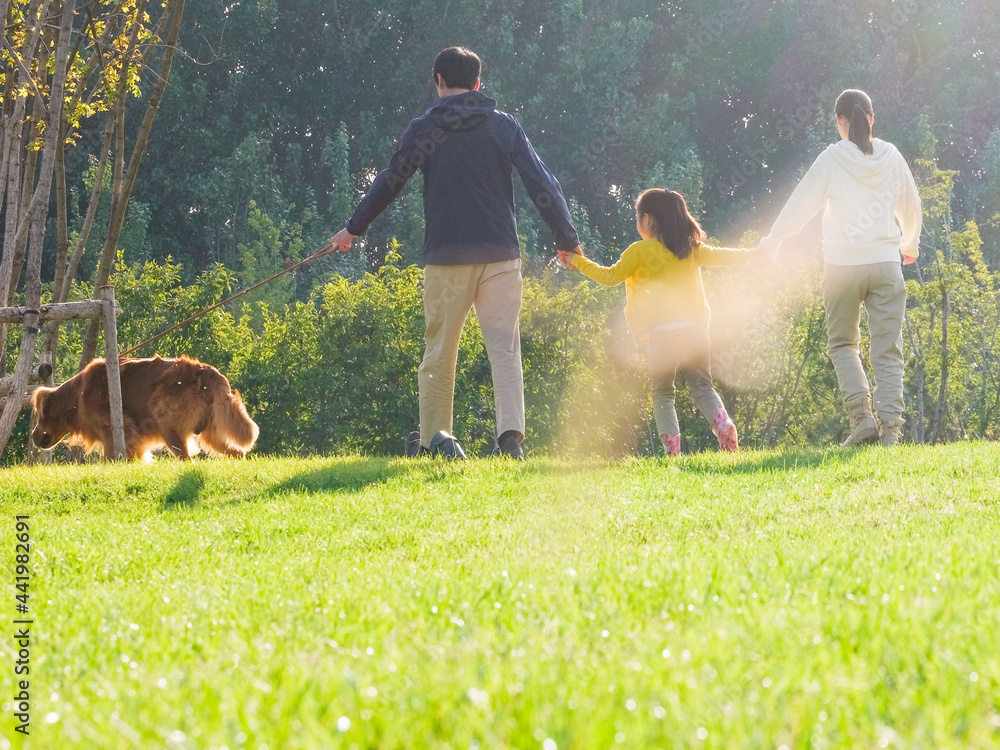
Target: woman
872	215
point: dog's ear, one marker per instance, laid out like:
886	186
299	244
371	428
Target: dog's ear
212	379
183	372
38	399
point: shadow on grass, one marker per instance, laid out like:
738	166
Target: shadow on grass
341	476
187	492
765	461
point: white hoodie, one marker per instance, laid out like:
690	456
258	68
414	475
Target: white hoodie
872	210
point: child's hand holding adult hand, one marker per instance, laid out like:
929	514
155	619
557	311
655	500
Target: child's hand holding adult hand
566	256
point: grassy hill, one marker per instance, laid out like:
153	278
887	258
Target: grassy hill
811	599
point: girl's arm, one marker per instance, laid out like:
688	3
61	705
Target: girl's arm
613	275
722	256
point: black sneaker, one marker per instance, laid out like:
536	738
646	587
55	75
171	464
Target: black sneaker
443	444
509	445
413	447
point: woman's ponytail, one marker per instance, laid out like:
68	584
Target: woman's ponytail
861	130
856	107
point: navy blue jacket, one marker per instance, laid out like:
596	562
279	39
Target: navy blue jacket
467	150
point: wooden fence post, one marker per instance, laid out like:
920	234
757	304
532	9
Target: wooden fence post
106	294
14	394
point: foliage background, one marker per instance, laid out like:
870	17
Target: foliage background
277	115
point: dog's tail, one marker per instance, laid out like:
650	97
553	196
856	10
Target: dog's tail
229	429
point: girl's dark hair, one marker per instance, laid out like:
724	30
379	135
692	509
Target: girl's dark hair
675	226
459	66
856	107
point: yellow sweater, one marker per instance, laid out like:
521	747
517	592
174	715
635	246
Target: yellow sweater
659	287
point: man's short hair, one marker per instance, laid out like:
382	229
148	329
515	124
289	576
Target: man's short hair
459	66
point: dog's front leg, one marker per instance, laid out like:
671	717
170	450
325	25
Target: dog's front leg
176	444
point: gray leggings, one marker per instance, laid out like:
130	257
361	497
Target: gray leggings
684	350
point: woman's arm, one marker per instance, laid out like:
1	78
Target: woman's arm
808	197
909	213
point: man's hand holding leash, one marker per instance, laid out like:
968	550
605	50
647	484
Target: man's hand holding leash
341	241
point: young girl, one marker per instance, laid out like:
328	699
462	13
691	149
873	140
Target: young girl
667	310
872	217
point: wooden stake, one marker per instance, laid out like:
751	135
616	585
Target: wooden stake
107	296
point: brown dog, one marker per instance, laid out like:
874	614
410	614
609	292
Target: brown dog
177	403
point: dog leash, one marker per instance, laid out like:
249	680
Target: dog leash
315	256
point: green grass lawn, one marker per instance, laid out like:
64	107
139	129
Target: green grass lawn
841	599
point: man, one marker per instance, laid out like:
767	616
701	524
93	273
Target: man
467	151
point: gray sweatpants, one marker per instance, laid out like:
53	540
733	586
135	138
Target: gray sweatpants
879	287
684	350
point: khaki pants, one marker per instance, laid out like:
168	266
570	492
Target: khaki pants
450	292
879	287
685	350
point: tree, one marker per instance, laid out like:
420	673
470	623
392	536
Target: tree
55	76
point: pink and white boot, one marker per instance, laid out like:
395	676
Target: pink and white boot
725	431
671	444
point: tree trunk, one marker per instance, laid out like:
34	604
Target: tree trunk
36	216
940	408
918	428
123	187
